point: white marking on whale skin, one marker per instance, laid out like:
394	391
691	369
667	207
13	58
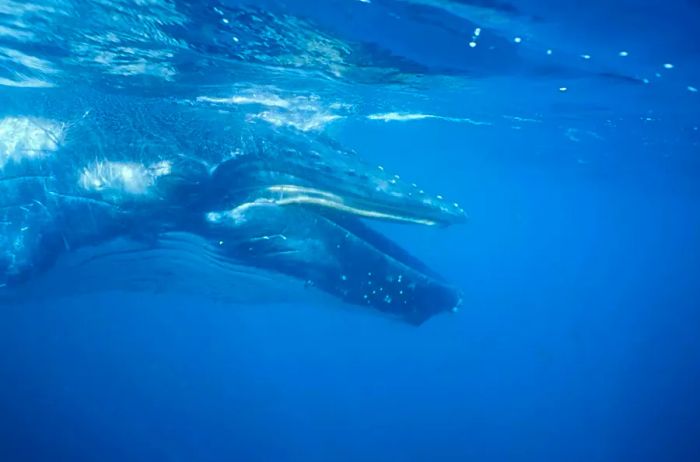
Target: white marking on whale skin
130	178
28	138
291	194
237	215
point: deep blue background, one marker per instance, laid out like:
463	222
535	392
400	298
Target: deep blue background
578	339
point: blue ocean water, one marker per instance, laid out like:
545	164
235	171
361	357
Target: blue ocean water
569	132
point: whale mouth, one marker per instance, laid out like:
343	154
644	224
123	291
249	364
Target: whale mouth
303	169
287	194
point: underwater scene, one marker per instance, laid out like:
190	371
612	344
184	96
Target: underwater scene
349	230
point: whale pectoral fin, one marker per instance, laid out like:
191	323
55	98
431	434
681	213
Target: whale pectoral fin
379	273
337	254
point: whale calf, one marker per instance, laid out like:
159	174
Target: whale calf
161	193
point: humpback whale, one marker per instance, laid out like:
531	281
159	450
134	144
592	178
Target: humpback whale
165	192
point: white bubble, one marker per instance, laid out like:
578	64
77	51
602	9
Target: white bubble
668	66
692	89
586	56
517	39
477	31
472	44
623	53
549	52
563	89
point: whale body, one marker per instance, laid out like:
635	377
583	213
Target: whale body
161	193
